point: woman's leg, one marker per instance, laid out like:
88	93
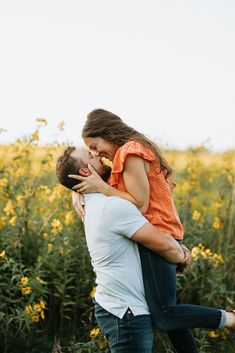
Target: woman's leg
183	341
160	289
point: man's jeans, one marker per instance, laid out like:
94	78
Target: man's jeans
131	334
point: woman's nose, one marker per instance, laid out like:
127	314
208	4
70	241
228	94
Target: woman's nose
95	153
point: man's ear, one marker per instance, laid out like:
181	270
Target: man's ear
83	171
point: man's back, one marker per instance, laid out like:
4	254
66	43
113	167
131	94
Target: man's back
110	222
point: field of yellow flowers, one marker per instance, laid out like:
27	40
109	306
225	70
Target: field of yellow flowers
46	280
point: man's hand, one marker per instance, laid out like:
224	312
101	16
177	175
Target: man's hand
90	183
183	265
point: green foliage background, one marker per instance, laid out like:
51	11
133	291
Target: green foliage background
44	259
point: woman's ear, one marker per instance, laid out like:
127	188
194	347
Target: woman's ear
83	171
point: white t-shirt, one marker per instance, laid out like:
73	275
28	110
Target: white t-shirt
110	222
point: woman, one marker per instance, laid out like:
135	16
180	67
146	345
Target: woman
141	175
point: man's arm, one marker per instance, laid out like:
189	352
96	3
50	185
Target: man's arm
161	243
122	218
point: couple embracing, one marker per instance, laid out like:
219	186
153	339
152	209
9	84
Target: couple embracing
134	237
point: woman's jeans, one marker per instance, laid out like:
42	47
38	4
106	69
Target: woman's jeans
131	334
160	290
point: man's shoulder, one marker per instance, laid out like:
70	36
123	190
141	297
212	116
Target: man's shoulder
108	203
117	209
118	202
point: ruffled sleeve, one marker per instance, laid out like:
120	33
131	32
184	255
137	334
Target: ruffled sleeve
130	148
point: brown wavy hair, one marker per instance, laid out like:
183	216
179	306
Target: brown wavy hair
65	165
102	123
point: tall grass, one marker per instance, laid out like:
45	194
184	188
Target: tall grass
46	278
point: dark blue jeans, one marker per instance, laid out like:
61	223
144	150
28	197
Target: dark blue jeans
131	334
160	290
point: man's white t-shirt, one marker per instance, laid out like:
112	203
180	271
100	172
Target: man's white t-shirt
110	222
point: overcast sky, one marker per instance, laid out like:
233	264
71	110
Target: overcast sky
166	67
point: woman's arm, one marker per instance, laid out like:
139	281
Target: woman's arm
94	183
136	183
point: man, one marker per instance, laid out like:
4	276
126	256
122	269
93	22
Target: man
113	227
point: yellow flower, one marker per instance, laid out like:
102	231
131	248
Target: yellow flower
194	252
94	333
92	293
107	162
196	215
35	136
42	121
208	252
3	182
24	280
217	205
12	221
43	305
20	198
218	260
220	334
217	223
213	334
9	208
45	235
28	309
2	253
214	258
56	226
44	188
42	315
26	290
57	192
69	218
40	280
49	246
35	318
37	307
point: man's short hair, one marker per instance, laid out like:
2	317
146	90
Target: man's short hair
68	165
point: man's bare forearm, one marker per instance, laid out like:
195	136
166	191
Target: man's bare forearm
161	243
173	252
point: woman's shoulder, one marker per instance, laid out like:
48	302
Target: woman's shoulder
131	148
136	147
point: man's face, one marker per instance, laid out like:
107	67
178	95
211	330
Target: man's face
87	158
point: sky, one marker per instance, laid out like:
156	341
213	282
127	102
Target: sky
166	67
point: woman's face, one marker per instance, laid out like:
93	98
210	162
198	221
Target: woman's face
102	147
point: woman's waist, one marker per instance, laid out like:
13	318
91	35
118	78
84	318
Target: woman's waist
170	225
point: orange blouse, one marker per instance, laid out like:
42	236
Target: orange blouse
162	212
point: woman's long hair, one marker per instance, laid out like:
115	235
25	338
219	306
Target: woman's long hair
102	123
